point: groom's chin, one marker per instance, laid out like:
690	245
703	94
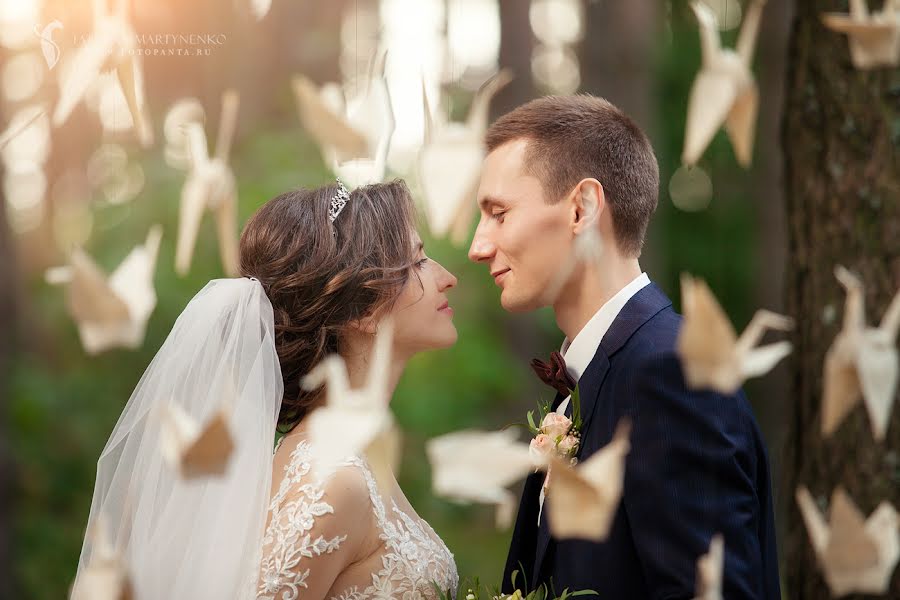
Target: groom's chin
514	304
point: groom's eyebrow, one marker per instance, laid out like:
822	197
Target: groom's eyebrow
489	201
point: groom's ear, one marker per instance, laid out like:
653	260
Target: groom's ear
588	203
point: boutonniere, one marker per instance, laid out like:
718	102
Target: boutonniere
557	433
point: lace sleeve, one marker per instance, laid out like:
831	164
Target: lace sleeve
315	530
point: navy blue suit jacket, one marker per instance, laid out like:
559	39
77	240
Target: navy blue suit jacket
697	466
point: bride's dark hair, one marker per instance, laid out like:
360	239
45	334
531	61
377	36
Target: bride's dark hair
321	276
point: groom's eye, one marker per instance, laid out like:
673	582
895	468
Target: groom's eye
498	216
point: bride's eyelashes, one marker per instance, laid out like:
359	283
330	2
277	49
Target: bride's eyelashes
421	262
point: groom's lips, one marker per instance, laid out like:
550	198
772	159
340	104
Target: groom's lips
498	275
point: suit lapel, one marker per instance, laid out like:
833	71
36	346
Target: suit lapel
639	309
645	304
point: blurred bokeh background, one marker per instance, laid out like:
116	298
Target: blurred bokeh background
89	183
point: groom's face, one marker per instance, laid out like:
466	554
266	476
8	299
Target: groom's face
520	237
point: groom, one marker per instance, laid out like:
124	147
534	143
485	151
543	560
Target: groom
556	167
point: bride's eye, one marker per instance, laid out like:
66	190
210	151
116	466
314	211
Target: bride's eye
421	262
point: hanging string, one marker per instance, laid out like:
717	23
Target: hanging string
356	45
449	50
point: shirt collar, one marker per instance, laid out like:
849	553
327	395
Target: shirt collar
580	351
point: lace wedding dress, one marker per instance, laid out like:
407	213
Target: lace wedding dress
337	538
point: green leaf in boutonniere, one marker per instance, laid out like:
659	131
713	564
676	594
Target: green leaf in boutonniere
544	407
534	426
576	408
531	426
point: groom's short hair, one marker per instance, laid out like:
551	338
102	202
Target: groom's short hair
574	137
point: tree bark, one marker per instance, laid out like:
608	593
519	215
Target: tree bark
842	183
770	394
616	55
616	62
516	45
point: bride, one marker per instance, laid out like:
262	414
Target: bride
322	269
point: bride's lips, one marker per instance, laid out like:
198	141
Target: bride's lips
499	275
445	308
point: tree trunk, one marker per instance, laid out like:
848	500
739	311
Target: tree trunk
616	55
616	62
516	45
769	395
842	184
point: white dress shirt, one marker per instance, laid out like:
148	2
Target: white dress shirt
580	352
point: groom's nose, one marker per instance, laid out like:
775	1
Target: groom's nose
482	248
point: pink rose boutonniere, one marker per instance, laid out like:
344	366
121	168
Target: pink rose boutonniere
557	434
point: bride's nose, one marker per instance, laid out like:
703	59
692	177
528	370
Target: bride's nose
446	280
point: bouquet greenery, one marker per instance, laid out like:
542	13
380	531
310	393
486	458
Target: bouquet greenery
475	590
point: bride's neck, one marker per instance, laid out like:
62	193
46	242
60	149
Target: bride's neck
357	355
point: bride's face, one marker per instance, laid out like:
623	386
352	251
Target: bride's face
423	319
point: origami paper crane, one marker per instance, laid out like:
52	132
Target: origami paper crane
193	450
358	172
709	570
857	555
355	420
861	363
260	8
210	185
354	136
478	466
111	312
373	113
322	116
185	111
712	356
449	192
582	501
105	577
112	45
724	91
384	454
874	38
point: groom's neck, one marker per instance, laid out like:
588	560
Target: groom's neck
591	287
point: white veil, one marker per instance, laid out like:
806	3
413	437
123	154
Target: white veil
194	538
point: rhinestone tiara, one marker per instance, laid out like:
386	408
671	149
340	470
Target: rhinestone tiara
338	201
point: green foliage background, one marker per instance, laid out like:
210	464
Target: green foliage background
64	403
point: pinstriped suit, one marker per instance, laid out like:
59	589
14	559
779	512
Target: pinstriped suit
697	466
